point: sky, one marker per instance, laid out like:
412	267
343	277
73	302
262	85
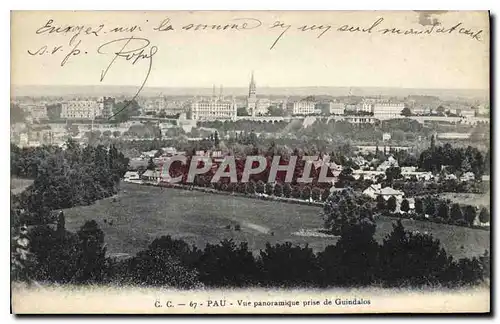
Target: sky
189	58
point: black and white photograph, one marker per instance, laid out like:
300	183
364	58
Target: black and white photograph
250	162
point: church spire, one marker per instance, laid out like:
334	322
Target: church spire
252	88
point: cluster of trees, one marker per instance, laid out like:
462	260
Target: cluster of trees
418	188
443	211
57	255
455	159
67	177
286	190
123	110
17	115
404	259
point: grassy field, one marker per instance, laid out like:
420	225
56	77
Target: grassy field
18	185
140	214
480	200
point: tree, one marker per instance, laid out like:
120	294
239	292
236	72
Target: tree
381	205
456	212
17	115
269	189
419	206
393	173
296	192
406	112
405	205
61	223
306	193
250	187
116	134
355	257
344	208
242	111
484	215
316	194
275	111
216	139
470	214
433	142
278	189
151	164
411	257
391	204
442	211
325	194
440	110
260	187
92	261
430	208
287	190
123	110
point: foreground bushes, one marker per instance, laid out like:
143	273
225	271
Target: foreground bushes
404	259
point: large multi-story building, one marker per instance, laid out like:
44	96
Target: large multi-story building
262	106
387	110
36	111
80	109
215	108
336	108
367	105
301	107
467	113
106	105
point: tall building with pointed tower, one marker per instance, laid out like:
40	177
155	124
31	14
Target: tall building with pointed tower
252	97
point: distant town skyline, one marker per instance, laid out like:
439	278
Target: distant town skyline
188	59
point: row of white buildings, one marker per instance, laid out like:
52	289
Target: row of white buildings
88	109
73	109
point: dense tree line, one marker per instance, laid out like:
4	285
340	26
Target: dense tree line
67	177
405	259
454	159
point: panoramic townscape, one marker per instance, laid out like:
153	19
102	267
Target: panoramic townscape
419	159
275	166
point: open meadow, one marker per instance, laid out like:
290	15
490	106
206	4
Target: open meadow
139	214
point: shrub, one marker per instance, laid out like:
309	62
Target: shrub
470	214
284	265
354	261
278	189
316	194
484	215
260	187
250	187
419	206
227	265
442	211
325	194
287	190
405	205
381	204
306	193
391	204
456	212
412	258
269	189
158	268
